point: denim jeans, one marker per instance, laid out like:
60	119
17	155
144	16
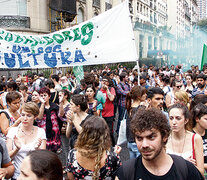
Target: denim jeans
121	115
133	150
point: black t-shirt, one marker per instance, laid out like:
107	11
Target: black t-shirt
205	146
141	173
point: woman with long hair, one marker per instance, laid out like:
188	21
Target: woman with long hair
199	126
75	117
25	137
94	107
91	158
134	100
181	141
182	98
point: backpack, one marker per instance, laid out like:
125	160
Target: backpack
129	168
42	83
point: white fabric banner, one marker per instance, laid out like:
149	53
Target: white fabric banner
107	38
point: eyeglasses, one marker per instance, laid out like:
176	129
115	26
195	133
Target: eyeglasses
178	86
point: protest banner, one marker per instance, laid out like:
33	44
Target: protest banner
107	38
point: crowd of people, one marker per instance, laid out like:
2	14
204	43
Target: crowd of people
166	124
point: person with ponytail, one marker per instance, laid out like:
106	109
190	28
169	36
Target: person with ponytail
91	158
134	100
199	126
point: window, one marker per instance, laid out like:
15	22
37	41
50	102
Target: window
80	16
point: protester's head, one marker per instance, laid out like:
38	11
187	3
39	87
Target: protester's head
189	79
31	107
18	81
83	84
151	131
123	77
78	103
176	85
30	78
89	78
41	164
137	93
93	140
155	97
64	81
90	91
11	86
55	77
200	98
35	96
49	84
23	89
65	94
45	94
200	80
13	100
179	117
182	98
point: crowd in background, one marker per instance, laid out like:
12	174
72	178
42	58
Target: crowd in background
81	120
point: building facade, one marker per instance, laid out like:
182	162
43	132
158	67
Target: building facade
202	8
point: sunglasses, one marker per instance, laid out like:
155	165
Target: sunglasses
178	86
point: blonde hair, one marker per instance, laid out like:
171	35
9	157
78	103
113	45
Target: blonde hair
183	97
31	107
93	140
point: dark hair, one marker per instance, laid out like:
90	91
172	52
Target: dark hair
2	86
66	93
199	98
173	84
122	76
46	164
89	78
12	85
81	100
202	76
11	96
49	83
23	87
155	90
197	112
30	76
82	82
136	93
185	111
44	90
148	119
55	76
92	87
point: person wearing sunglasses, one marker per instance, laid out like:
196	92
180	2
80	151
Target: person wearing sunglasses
170	97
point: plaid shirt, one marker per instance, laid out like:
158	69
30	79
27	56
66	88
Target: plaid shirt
123	92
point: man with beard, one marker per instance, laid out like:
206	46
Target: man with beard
151	131
201	85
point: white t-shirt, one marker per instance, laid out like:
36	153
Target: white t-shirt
22	153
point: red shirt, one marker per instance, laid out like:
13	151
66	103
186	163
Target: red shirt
108	110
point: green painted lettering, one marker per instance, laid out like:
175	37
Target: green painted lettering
77	34
18	39
1	32
87	30
48	39
58	38
9	37
27	40
66	34
35	42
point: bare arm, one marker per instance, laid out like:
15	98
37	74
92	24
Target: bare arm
199	153
7	170
110	96
168	100
116	178
12	152
69	129
61	109
42	108
70	176
4	123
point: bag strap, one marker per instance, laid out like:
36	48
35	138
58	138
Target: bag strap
54	97
129	168
193	147
181	166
